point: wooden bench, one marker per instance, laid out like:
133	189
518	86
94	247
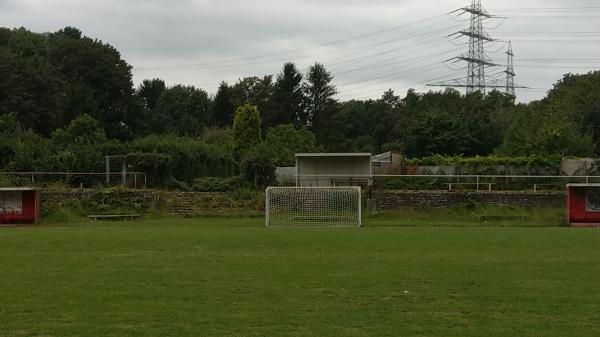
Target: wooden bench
503	218
120	217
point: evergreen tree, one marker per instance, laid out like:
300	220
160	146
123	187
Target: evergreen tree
319	96
223	108
247	131
288	98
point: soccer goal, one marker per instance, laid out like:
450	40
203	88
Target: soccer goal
313	207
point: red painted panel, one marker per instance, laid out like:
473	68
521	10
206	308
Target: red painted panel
29	212
576	207
578	214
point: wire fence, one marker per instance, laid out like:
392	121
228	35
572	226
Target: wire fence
134	180
450	182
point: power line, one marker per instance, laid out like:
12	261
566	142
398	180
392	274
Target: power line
295	50
477	59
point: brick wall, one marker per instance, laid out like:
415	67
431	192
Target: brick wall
389	200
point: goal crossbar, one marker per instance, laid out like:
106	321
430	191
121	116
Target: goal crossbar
313	207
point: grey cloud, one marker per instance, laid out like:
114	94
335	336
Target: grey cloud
154	34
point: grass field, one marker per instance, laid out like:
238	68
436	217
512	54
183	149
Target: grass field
231	277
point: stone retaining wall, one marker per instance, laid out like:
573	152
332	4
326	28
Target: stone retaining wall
176	203
390	200
187	204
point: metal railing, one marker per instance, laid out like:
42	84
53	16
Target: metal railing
454	182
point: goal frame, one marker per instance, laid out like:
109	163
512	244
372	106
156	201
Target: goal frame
358	189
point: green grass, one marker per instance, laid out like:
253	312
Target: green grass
231	277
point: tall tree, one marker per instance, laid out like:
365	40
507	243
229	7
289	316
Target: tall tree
183	110
99	81
537	130
255	91
288	98
149	92
319	96
578	97
223	107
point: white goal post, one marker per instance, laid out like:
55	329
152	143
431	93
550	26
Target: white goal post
313	207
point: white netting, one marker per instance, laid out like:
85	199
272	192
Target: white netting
313	207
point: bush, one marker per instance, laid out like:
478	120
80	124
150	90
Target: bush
531	161
258	168
217	184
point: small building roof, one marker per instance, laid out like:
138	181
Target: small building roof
383	157
333	155
584	185
18	189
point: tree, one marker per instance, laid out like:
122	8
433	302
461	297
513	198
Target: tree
223	108
436	132
99	81
149	92
539	131
258	168
182	110
30	85
256	91
288	98
285	141
390	98
319	94
247	131
578	97
77	148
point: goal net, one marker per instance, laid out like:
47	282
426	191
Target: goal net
313	207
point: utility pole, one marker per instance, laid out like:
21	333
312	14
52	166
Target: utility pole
510	71
476	57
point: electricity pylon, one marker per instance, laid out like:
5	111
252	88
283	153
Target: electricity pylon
476	58
510	71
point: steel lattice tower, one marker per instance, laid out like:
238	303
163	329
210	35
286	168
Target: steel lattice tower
476	58
510	71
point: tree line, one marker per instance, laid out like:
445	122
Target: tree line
66	100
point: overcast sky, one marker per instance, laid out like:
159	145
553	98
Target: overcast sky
369	45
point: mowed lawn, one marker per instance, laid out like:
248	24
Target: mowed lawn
231	277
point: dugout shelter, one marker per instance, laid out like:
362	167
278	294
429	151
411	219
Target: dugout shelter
19	205
333	169
583	205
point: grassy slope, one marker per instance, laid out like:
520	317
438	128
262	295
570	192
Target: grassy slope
230	277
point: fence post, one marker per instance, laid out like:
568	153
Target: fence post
477	183
107	170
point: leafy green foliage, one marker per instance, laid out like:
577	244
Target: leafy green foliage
532	161
284	141
288	98
182	110
258	168
67	100
247	131
217	184
223	108
537	131
184	159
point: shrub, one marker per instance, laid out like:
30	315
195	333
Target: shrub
217	184
258	168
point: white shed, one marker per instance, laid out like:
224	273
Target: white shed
333	169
